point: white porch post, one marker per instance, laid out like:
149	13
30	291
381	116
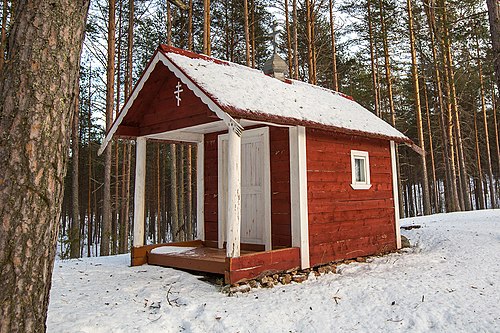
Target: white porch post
233	221
200	190
395	193
298	193
139	191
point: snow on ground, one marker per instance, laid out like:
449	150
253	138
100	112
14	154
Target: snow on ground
448	282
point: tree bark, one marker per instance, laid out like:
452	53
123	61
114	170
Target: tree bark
169	24
372	58
206	27
310	65
479	167
75	152
190	26
189	194
3	37
288	40
247	33
335	80
110	95
173	194
494	19
485	122
295	43
420	129
37	91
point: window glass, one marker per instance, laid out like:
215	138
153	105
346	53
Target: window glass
360	170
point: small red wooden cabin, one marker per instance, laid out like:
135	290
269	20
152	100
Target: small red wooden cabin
289	174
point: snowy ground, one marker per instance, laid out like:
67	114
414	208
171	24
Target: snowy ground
448	282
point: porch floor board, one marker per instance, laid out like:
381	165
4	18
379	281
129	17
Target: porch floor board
203	259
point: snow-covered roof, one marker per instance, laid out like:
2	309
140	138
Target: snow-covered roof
248	93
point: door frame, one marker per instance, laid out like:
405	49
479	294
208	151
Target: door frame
221	223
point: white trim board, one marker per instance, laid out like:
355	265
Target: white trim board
200	190
395	193
298	193
139	191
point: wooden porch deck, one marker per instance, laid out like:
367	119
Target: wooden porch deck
202	258
199	257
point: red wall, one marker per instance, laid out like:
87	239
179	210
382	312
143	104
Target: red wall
280	187
343	222
155	109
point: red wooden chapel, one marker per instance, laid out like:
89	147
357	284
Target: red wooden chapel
289	175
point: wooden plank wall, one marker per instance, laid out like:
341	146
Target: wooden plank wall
280	187
343	222
155	110
253	265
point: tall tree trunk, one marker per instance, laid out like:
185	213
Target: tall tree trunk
486	132
420	129
173	193
158	194
247	33
310	66
75	153
189	194
122	240
181	192
449	129
3	37
463	176
169	24
335	80
89	164
252	29
36	111
494	19
206	27
479	167
313	43
435	189
372	59
288	40
190	26
295	43
115	225
110	95
497	140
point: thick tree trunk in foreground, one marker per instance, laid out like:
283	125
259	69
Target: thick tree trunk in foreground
37	89
494	18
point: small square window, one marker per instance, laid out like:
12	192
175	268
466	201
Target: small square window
360	165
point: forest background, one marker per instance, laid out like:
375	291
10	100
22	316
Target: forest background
427	67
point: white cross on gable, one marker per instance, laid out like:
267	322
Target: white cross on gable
177	93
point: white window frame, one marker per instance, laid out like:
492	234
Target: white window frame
358	154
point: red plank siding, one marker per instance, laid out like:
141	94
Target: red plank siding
262	263
211	187
155	109
343	222
280	187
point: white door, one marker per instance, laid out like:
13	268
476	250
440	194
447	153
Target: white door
255	188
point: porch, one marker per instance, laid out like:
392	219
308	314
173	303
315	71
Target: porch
202	256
